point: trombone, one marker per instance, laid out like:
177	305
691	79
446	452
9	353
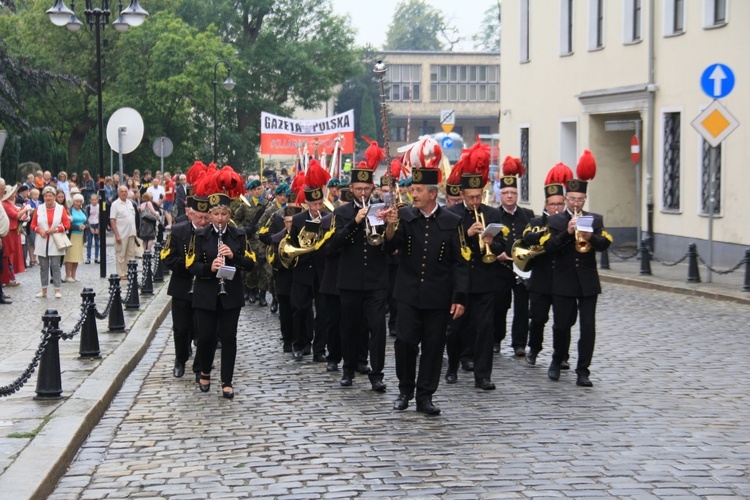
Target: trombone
488	257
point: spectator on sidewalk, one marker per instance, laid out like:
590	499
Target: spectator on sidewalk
13	250
49	218
93	211
74	254
4	228
149	221
122	222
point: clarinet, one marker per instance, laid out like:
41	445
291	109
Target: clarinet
222	289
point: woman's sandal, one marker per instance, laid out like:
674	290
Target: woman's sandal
205	387
227	394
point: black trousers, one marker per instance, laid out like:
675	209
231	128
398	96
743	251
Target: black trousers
539	315
363	313
286	319
520	328
221	324
564	309
302	298
472	335
417	328
333	327
183	324
392	303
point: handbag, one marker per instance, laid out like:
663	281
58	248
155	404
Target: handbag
61	240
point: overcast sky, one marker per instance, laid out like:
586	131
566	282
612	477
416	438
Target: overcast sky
371	18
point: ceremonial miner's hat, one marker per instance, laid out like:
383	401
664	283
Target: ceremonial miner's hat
585	170
557	178
512	168
316	179
475	171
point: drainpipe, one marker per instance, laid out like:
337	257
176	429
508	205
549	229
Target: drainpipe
651	132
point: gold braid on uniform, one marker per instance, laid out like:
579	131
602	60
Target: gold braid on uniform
607	235
267	226
165	251
190	254
506	231
248	251
328	234
465	250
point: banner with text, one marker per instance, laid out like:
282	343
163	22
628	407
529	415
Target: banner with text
285	136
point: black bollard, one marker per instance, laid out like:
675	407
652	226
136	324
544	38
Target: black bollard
158	268
694	275
746	288
49	381
132	300
89	347
645	260
604	262
148	281
116	317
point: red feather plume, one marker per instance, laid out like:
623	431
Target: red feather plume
396	168
230	182
207	184
479	160
298	182
513	166
317	177
559	174
374	154
586	168
195	171
458	169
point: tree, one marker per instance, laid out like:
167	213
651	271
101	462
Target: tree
488	38
367	124
416	25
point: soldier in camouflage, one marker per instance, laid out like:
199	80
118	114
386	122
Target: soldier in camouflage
281	197
248	216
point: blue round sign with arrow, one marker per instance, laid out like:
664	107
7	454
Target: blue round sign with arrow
717	81
446	143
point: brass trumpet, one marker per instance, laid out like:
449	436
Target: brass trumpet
222	289
373	238
488	257
582	245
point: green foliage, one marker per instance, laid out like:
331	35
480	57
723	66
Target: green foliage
362	90
367	124
9	159
416	25
488	38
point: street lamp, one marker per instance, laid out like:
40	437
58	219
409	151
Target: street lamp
228	85
133	15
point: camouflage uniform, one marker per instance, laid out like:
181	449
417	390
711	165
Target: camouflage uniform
260	276
264	225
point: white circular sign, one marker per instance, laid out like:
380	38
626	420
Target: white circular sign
127	123
163	147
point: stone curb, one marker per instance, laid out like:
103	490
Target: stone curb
41	464
674	288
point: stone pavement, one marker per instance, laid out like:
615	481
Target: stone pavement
664	418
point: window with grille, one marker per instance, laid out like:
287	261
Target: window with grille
404	82
477	83
706	179
523	181
671	163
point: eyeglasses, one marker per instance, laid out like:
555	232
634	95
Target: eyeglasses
361	189
576	200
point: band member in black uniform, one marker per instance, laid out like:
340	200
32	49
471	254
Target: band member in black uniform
542	264
390	197
283	278
362	280
306	233
217	301
431	288
575	280
330	293
181	282
509	286
472	334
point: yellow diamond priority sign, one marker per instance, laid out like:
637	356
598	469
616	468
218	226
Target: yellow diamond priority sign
715	123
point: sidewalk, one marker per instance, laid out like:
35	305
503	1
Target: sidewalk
41	438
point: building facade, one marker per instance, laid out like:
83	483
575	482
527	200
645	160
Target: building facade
590	74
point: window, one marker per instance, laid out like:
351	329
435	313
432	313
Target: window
596	24
671	163
481	130
674	17
523	43
475	83
523	182
425	130
566	27
706	179
633	21
714	13
404	82
398	134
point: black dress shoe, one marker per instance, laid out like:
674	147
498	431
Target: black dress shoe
320	358
251	297
496	347
554	371
485	384
378	386
297	355
332	367
287	347
274	306
565	365
262	300
520	351
179	370
363	368
427	408
228	394
451	377
346	380
307	350
468	366
205	387
583	381
5	300
401	403
531	357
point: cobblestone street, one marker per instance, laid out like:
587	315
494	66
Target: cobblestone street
668	416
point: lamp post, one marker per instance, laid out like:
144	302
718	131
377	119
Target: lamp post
133	15
228	85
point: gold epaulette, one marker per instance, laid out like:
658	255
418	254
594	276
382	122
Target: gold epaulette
607	235
165	251
506	231
248	251
544	239
190	254
465	250
328	234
